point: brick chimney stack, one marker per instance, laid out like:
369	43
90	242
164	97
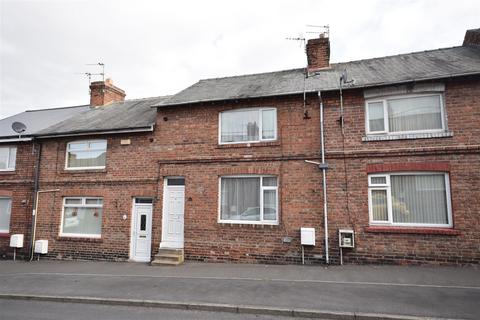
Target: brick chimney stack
472	37
318	53
104	92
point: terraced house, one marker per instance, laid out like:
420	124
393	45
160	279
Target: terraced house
378	157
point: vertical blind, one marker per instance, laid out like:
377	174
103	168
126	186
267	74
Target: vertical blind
405	114
419	199
413	114
376	116
415	199
379	205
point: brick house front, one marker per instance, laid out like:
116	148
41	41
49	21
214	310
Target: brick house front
231	168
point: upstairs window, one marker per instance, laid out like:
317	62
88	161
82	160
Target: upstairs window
249	199
407	114
248	125
410	199
82	217
86	155
5	211
8	156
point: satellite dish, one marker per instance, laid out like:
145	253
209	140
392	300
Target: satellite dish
19	127
344	76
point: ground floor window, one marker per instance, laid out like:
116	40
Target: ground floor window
5	211
249	199
82	217
410	199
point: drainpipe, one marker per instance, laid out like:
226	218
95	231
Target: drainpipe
35	198
324	167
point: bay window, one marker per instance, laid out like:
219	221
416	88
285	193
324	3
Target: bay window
8	156
82	217
410	199
5	212
405	114
249	199
86	155
248	125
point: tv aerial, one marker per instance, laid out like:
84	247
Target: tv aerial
92	74
19	128
323	31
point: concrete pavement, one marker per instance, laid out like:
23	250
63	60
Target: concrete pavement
41	310
443	292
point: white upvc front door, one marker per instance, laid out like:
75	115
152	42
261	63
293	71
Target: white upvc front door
141	238
173	210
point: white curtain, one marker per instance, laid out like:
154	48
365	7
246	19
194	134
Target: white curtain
417	113
240	199
5	210
81	220
419	199
240	126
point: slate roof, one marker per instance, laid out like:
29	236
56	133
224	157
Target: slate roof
417	66
37	120
134	114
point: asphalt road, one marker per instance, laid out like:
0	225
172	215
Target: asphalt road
36	310
416	291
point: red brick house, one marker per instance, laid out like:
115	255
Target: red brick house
18	158
231	168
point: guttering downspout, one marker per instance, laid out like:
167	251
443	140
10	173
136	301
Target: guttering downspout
324	167
35	198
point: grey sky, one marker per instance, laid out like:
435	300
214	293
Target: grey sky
153	48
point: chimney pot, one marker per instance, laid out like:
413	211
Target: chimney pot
104	92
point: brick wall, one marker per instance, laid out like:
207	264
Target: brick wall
18	185
185	143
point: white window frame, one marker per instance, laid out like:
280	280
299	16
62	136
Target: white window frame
262	189
387	187
84	205
9	165
384	100
85	141
10	208
260	125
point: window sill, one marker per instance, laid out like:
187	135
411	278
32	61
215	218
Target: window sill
4	235
249	144
412	230
7	171
248	225
407	136
79	239
80	171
